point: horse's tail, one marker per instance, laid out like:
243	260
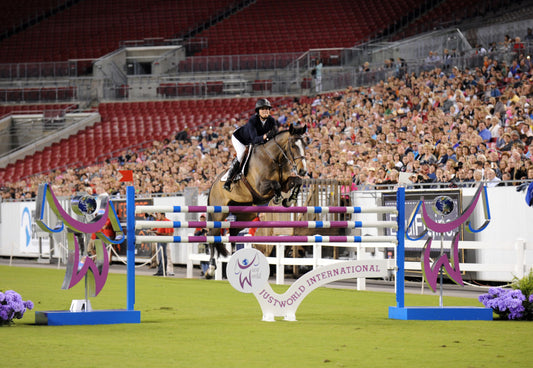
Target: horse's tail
221	249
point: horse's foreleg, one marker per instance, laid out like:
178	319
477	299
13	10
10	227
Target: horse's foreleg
287	202
277	192
295	183
271	185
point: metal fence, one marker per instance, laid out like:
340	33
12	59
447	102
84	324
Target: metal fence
39	94
45	70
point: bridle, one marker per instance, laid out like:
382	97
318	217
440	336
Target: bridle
289	156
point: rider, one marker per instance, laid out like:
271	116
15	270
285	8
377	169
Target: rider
260	128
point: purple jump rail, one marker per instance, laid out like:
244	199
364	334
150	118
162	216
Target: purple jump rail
264	224
265	239
260	209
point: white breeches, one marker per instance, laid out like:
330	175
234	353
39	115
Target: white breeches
239	148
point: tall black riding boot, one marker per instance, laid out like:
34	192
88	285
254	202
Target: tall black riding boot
235	165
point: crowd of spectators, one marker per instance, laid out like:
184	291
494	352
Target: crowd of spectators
443	127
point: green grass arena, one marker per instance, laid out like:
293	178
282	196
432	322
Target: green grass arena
206	323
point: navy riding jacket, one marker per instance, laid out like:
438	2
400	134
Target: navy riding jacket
253	131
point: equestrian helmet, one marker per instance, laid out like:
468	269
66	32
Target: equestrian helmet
263	102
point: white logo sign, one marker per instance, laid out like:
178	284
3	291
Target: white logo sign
248	270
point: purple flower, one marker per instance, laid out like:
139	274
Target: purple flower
515	304
6	311
12	306
18	306
507	303
4	315
13	296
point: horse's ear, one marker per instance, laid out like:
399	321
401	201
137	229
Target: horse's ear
300	129
297	130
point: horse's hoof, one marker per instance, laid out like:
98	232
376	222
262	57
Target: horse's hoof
277	200
210	273
287	202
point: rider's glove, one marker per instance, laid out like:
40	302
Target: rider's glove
271	134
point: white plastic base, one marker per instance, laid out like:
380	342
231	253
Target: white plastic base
79	305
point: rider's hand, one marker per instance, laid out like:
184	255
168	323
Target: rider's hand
270	134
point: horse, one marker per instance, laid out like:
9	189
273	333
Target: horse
267	174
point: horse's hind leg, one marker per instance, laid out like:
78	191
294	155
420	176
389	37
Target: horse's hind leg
213	248
210	273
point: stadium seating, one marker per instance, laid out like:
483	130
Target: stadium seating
90	29
129	124
17	12
443	13
273	26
